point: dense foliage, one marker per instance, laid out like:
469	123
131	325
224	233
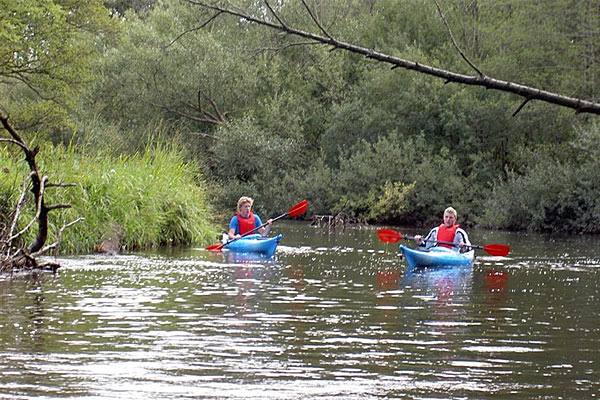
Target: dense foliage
47	52
266	115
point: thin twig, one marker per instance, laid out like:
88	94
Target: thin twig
38	208
13	142
192	30
281	22
520	107
462	54
316	20
60	184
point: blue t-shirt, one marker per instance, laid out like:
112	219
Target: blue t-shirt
235	224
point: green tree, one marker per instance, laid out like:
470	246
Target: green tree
46	52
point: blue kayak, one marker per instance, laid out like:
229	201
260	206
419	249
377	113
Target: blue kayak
255	244
436	257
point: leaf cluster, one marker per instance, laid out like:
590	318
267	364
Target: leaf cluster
47	50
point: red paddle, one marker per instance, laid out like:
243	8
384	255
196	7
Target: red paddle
391	236
296	210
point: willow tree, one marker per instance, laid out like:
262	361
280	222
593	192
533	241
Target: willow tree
47	52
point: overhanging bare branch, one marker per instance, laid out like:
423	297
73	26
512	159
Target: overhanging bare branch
527	92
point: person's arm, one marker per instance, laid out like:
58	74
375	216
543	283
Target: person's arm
429	240
233	228
264	231
231	233
267	229
461	239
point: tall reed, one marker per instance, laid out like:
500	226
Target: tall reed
155	197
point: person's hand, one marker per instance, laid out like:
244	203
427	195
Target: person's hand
418	239
461	245
265	231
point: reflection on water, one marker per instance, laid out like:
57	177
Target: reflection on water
330	316
231	257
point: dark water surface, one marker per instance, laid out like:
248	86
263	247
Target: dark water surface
333	316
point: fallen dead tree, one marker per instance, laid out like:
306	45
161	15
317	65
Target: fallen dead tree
272	19
15	254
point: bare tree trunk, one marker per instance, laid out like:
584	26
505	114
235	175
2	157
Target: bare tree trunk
13	254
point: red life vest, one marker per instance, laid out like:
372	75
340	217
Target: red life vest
245	224
446	235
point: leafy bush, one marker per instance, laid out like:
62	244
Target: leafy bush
398	180
552	195
251	161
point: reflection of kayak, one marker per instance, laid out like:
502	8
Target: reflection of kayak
234	257
436	257
255	244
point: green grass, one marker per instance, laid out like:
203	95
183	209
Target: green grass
156	197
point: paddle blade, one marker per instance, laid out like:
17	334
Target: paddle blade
496	249
389	235
298	209
215	247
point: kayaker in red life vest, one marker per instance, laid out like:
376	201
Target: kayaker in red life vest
449	231
245	220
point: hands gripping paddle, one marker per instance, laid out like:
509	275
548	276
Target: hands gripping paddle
391	236
296	210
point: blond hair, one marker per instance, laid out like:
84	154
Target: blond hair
451	211
244	200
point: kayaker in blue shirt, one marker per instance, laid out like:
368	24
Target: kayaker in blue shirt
448	231
245	220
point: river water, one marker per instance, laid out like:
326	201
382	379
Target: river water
335	315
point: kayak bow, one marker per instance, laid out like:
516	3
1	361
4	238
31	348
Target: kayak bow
436	257
255	244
